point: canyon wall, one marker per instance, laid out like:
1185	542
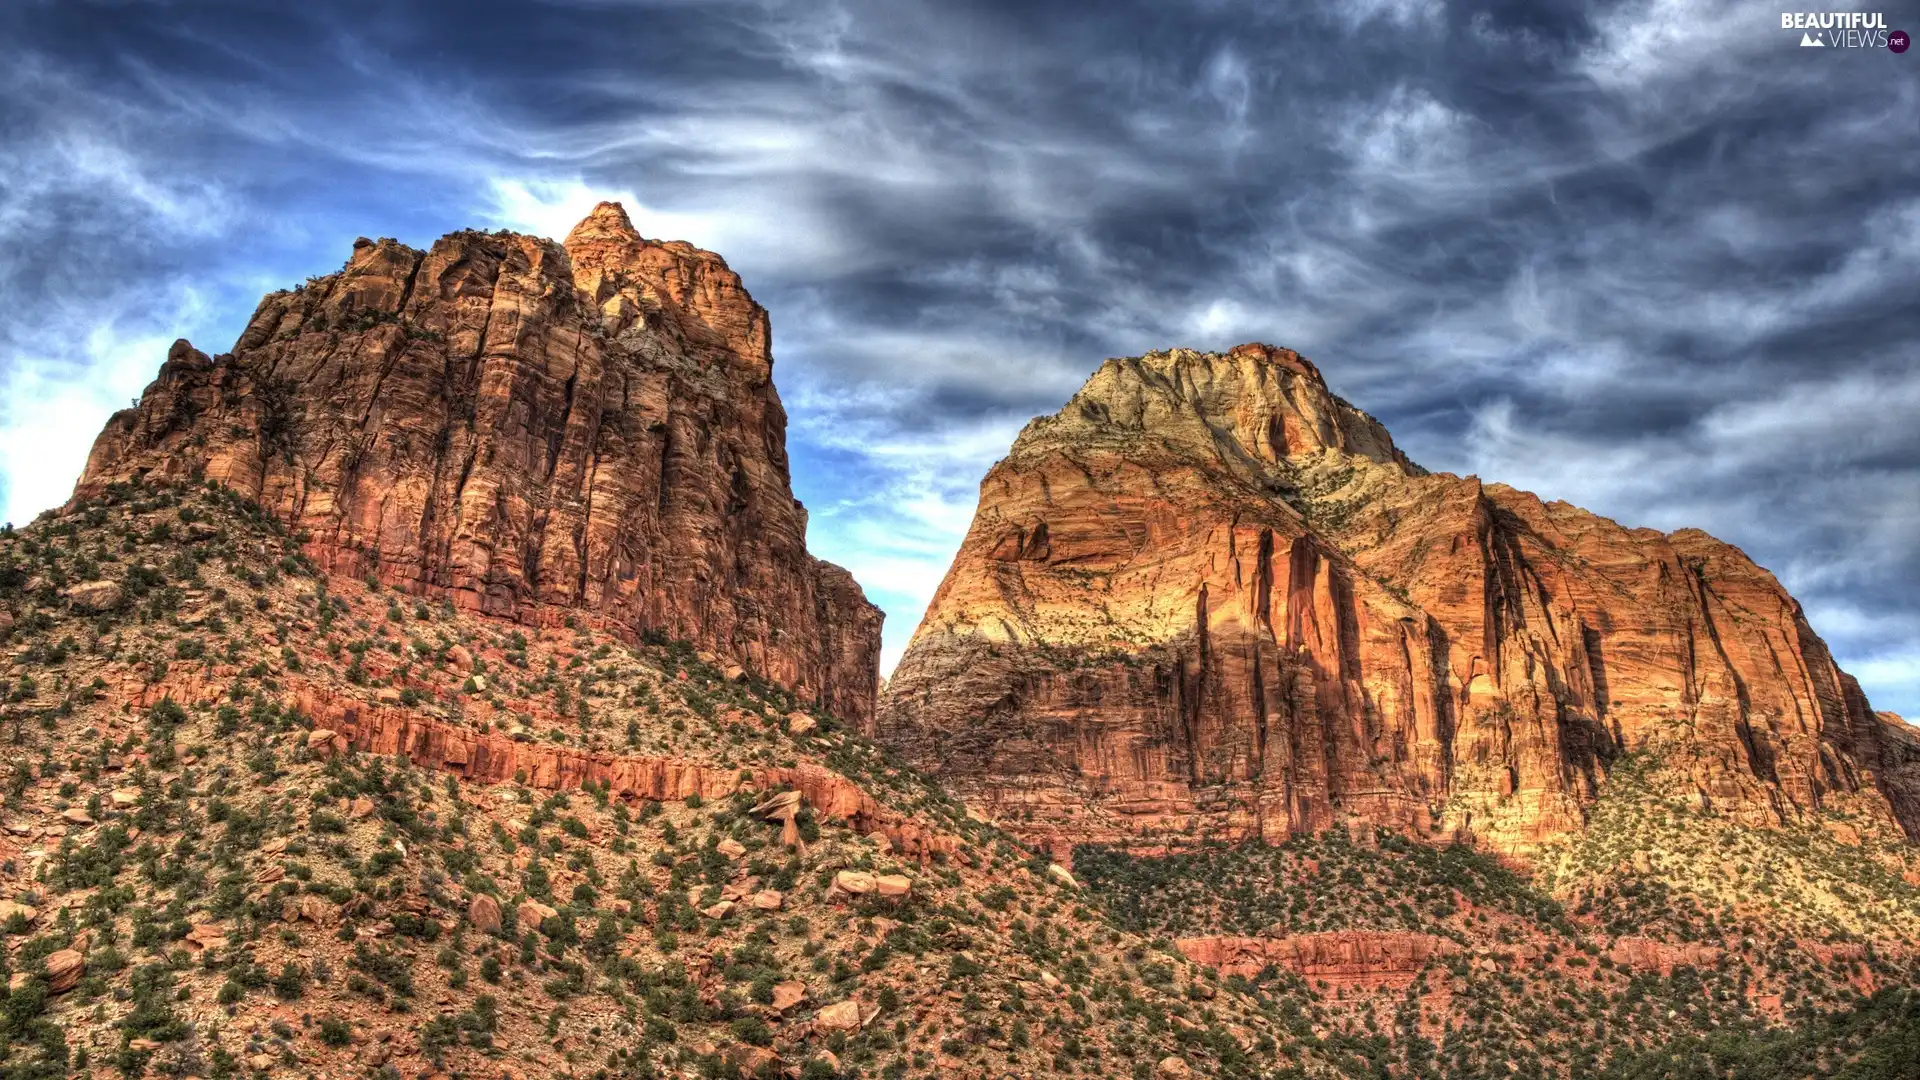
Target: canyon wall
530	430
1210	598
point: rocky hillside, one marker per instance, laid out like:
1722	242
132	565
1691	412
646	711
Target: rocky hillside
438	685
530	430
264	821
1208	598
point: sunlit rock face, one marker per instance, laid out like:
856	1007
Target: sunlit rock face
531	430
1209	597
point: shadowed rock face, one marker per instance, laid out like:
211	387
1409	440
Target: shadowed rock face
1209	596
529	430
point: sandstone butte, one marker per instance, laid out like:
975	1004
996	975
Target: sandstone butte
1210	598
528	430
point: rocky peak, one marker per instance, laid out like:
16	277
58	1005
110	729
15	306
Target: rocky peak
671	286
1208	597
606	222
1255	406
527	431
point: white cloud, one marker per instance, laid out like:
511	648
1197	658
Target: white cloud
1641	45
53	404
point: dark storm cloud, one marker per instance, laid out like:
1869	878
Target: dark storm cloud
1651	257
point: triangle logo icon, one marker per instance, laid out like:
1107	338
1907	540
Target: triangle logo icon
1809	41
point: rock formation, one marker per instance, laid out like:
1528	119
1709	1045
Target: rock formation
1210	597
528	430
1338	962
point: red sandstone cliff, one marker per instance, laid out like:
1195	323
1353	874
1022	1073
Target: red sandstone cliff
530	430
1339	961
1209	595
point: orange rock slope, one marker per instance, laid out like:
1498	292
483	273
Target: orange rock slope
531	430
1210	597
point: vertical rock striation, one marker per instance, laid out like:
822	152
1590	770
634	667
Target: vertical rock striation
530	430
1210	597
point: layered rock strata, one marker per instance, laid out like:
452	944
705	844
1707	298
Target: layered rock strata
1209	597
1338	962
529	430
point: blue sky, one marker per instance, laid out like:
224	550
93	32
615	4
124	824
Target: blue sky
1651	257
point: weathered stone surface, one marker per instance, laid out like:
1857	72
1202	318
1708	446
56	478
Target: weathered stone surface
64	969
206	936
892	885
1343	960
1210	595
324	742
492	757
854	882
95	596
532	914
779	806
788	994
1647	954
309	908
529	430
749	1060
839	1016
484	913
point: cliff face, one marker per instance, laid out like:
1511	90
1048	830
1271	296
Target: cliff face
1208	596
529	430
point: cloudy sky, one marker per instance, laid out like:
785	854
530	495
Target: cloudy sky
1655	258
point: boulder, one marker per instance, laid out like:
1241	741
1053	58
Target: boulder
325	742
206	936
778	807
768	900
750	1060
732	848
532	914
64	969
309	908
484	913
1060	875
788	994
839	1016
892	884
854	882
93	597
